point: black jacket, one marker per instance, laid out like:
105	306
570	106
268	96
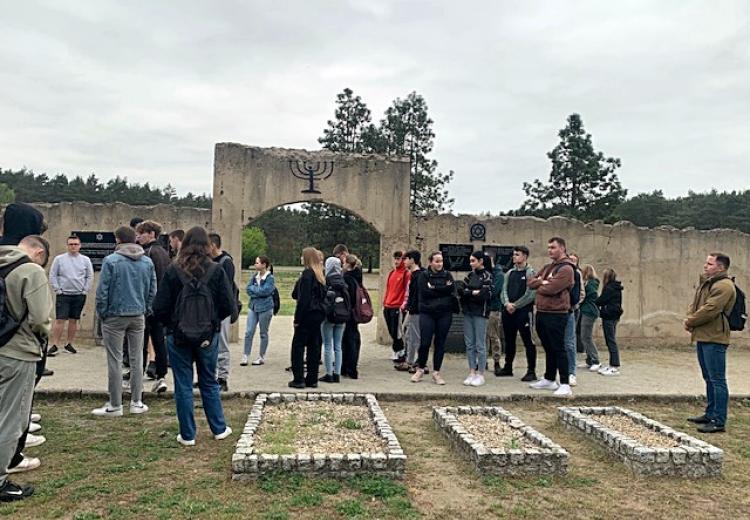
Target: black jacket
159	257
169	290
610	301
437	292
310	295
353	279
476	305
412	302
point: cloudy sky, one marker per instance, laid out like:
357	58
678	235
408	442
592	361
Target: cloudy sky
144	89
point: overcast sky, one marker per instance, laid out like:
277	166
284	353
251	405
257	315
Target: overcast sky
144	89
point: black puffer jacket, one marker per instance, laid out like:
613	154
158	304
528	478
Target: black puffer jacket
476	304
610	301
436	292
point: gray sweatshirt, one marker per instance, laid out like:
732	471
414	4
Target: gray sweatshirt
71	274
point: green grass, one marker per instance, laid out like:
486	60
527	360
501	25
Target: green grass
350	424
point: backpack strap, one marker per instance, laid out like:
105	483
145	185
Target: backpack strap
6	270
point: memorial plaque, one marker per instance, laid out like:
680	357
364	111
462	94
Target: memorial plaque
501	255
96	245
456	256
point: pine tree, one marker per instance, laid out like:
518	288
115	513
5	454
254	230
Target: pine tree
351	127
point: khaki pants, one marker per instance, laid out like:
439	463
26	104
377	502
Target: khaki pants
495	336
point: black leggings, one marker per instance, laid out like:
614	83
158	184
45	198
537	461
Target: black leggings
550	327
518	323
392	320
306	338
155	330
350	349
436	325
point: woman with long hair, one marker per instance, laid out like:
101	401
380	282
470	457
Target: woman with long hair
589	314
475	293
352	340
193	283
610	309
309	291
260	290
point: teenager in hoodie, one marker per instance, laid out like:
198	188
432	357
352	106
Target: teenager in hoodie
610	310
332	329
589	315
352	340
393	298
124	296
475	293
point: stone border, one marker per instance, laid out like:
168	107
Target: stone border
693	459
247	464
548	459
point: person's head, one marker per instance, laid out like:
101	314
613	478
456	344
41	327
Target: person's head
573	257
436	261
147	232
175	239
487	261
21	220
194	252
476	261
74	245
412	258
352	263
520	256
716	263
588	272
556	248
397	257
36	248
125	235
341	252
262	264
311	260
214	244
609	275
321	256
333	266
135	221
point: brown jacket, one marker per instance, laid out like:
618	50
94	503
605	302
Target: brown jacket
553	296
707	316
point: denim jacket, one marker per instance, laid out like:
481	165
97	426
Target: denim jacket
261	295
127	283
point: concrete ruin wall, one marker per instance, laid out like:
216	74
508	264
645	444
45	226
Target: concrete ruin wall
659	268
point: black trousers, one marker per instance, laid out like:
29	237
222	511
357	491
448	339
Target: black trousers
519	323
550	327
306	344
350	346
392	319
155	330
437	326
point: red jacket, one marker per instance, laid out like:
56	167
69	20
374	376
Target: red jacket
395	287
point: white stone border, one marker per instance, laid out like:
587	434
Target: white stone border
247	464
547	459
694	458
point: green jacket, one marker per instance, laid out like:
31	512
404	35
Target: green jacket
527	298
497	288
713	300
588	306
26	289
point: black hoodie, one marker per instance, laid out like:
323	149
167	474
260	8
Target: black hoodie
610	301
20	220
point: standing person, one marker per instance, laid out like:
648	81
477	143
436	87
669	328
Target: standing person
260	290
223	258
610	310
589	314
395	291
352	340
475	293
175	242
495	336
436	295
147	234
410	307
708	324
125	349
309	291
124	296
340	251
338	313
71	277
194	298
571	327
552	285
28	305
518	310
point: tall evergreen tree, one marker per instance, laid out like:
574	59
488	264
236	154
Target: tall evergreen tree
351	129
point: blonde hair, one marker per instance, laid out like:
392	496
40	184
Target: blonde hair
311	260
588	272
609	275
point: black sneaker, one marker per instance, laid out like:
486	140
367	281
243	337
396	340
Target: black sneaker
354	375
336	378
328	378
711	427
506	371
69	349
47	372
11	492
151	370
126	376
295	384
701	419
311	385
223	384
530	376
53	350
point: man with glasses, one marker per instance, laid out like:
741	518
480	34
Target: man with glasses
71	277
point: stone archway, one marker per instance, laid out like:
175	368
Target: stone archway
249	181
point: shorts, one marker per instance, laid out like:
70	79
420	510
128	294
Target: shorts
69	306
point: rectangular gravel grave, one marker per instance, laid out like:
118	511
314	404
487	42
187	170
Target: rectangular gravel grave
321	434
646	446
498	443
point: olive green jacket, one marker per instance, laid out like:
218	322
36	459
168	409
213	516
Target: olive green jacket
707	316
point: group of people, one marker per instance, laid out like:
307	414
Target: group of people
562	299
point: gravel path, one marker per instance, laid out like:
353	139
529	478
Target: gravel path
494	433
635	431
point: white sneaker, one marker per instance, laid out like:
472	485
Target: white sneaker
34	427
610	371
159	387
563	391
573	380
603	368
34	440
108	411
223	435
469	380
478	380
27	464
243	363
35	417
184	442
398	355
544	384
138	407
595	367
258	362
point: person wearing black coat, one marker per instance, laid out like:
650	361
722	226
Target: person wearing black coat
475	293
352	339
610	310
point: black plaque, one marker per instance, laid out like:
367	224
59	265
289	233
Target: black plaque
456	256
478	232
501	255
96	245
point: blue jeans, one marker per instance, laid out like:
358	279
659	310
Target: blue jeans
332	334
182	358
475	338
253	320
570	342
712	358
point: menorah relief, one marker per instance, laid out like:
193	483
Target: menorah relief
312	171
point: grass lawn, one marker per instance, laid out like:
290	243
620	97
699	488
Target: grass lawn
133	468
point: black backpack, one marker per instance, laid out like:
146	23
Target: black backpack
738	315
193	315
338	306
235	290
8	324
276	301
575	290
